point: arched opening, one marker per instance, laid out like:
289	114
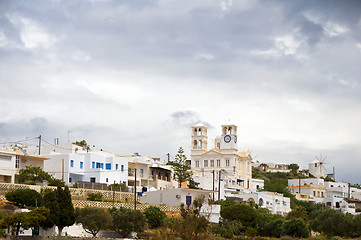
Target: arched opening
200	144
195	144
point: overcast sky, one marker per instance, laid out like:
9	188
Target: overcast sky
133	76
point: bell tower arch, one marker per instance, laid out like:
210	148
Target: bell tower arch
199	139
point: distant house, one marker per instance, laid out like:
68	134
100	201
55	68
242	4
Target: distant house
152	173
275	202
13	159
178	196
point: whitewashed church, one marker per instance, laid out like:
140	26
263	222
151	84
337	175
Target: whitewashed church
234	168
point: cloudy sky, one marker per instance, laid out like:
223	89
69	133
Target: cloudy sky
133	76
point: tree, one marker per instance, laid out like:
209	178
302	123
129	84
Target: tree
192	225
94	219
81	143
61	208
294	167
51	202
25	220
240	212
155	217
331	223
34	175
66	216
25	197
181	169
295	228
127	220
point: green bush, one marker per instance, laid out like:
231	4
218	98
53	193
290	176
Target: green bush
295	228
25	197
127	220
95	197
155	217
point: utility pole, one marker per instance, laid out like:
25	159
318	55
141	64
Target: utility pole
213	184
299	185
113	192
135	189
62	170
219	186
39	143
168	155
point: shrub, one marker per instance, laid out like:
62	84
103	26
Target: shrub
95	197
155	217
25	197
127	220
295	228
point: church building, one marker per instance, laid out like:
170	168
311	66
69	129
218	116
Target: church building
224	159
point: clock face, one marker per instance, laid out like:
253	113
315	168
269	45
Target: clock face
235	139
227	138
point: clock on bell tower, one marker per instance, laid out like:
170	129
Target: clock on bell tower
229	137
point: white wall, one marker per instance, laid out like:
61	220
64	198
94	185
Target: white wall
55	166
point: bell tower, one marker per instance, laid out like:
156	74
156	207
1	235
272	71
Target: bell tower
229	137
199	139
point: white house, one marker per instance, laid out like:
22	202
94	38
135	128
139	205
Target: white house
224	159
152	173
275	202
72	163
13	159
340	189
99	167
178	196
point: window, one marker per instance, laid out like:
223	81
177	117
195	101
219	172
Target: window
93	164
102	165
212	163
314	193
106	180
17	161
197	163
98	165
108	166
116	166
205	163
71	163
227	162
92	179
188	200
141	172
81	165
122	168
70	179
218	163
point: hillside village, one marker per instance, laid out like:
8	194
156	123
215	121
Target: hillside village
219	173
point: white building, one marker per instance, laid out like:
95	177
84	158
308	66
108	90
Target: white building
338	189
316	168
235	167
13	159
152	173
178	196
275	202
72	163
98	167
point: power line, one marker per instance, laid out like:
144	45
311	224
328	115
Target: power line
56	145
19	141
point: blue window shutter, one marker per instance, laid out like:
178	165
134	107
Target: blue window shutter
93	164
71	163
108	166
